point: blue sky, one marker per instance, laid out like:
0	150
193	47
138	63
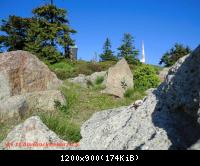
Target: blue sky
160	23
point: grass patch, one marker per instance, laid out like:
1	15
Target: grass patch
3	131
99	80
97	85
62	126
134	94
88	101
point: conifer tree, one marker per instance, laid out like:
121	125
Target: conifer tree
49	30
175	53
127	50
15	33
107	54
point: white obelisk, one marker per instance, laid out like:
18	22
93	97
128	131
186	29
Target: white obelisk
143	53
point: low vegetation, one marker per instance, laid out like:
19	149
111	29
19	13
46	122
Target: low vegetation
68	69
81	104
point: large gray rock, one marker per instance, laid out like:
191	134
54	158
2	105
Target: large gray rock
125	128
19	105
33	135
119	78
21	72
44	100
181	89
167	119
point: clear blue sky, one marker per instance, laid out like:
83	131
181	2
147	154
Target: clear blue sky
160	23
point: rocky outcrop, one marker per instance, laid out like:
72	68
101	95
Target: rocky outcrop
84	80
125	128
119	78
26	84
163	73
181	89
22	72
167	119
33	135
18	106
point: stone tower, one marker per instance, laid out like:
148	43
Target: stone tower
73	50
143	53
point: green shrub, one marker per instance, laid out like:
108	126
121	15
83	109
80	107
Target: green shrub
63	70
145	77
99	80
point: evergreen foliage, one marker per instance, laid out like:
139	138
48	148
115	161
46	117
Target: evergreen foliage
127	50
14	33
175	53
107	54
43	34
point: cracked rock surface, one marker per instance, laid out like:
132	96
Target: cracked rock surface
124	128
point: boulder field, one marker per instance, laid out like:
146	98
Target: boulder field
168	118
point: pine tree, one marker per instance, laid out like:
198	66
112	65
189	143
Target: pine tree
107	54
15	33
175	53
49	30
127	50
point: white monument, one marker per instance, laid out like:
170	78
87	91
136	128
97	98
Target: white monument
143	53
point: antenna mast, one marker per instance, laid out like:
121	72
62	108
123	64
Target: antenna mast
143	53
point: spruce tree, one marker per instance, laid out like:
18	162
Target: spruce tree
49	30
107	54
175	53
127	50
15	33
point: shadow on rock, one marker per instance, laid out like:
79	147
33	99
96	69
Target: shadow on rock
178	102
